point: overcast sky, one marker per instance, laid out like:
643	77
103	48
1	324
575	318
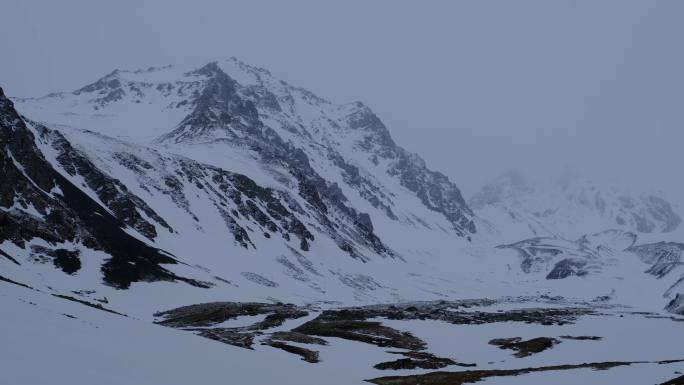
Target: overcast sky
475	87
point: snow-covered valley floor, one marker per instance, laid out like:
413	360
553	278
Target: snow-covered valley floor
47	339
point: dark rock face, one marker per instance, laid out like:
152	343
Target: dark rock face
66	260
445	311
226	109
68	214
352	324
242	203
581	338
435	191
218	107
228	336
203	318
676	305
363	331
377	136
566	268
290	336
212	313
9	257
308	355
114	194
662	256
221	111
374	140
108	89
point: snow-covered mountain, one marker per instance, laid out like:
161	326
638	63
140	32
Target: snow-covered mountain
243	180
569	207
155	189
574	227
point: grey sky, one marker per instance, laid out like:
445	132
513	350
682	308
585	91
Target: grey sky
475	87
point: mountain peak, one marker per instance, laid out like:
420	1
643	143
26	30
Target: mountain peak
230	103
209	69
218	107
248	67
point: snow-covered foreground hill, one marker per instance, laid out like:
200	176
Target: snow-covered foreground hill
151	190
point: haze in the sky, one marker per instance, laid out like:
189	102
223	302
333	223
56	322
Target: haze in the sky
475	87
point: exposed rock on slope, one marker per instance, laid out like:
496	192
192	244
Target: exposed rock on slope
342	154
662	256
38	202
566	258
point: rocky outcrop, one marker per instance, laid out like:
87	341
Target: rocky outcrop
676	305
212	313
222	112
205	319
570	258
567	267
663	257
524	348
371	332
417	360
219	107
435	191
127	207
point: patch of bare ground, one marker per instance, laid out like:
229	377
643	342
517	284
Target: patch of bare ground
525	348
370	332
582	338
307	355
473	376
418	360
202	318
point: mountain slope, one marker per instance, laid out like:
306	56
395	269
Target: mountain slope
41	203
256	187
244	108
545	225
